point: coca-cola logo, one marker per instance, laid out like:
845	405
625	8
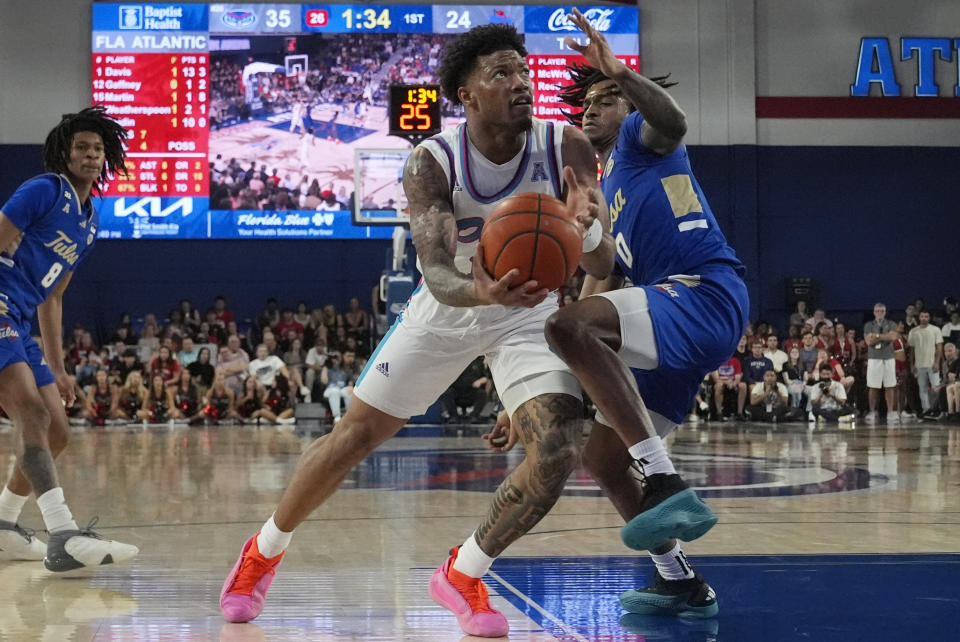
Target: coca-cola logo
598	18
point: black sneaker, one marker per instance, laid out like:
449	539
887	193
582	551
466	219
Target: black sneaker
84	548
692	598
669	510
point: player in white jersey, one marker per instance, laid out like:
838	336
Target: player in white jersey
459	312
296	116
306	144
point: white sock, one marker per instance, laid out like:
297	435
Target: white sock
471	560
10	505
56	515
673	565
652	456
272	541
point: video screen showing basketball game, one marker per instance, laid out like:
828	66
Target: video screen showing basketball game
294	121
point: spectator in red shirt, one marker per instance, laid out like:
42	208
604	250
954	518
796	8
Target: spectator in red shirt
287	322
844	347
224	316
726	382
836	368
165	365
793	339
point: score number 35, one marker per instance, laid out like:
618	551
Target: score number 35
278	18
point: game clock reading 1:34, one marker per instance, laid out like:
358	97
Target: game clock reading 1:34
414	111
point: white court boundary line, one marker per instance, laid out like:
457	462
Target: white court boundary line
538	608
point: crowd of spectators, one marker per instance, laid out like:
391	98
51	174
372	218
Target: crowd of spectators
210	368
905	367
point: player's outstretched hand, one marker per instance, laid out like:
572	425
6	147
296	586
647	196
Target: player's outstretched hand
582	201
502	438
491	291
597	52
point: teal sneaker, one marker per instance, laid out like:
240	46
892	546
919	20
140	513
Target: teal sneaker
692	598
670	510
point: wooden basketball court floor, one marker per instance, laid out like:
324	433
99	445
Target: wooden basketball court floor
823	535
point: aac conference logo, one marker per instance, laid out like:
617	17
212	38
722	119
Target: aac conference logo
131	17
239	19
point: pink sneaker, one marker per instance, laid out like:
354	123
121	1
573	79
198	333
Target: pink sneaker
467	597
245	590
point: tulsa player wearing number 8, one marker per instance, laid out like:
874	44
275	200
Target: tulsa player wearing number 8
46	230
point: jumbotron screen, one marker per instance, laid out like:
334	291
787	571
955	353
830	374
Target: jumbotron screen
273	120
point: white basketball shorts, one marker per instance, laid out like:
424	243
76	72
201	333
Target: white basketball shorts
413	364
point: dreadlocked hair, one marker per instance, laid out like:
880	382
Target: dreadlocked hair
56	149
584	76
460	56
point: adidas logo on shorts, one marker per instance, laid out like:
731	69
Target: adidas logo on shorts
383	368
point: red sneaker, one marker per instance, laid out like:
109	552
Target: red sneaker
467	597
245	590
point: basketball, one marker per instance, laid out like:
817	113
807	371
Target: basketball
535	234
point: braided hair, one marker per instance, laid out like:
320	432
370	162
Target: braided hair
584	76
460	56
56	149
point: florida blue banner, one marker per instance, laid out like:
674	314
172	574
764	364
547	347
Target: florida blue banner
161	217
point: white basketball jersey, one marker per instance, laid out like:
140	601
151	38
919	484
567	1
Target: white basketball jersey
476	187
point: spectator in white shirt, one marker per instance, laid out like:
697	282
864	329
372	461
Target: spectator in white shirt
828	399
316	359
772	352
768	399
266	367
926	342
951	329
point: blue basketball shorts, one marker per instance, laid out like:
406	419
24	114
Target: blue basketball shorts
17	345
675	332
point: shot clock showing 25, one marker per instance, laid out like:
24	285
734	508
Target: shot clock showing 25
320	99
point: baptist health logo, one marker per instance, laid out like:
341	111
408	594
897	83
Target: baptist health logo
139	17
598	18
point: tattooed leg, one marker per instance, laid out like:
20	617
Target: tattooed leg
31	418
551	428
58	435
37	465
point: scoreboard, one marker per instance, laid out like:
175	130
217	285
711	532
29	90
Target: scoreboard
246	120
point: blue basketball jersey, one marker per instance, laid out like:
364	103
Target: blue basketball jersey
57	232
662	223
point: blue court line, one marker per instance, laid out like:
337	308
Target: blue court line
763	598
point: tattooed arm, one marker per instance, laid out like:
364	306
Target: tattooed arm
664	123
434	231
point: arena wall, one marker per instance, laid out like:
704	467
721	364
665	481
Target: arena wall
802	183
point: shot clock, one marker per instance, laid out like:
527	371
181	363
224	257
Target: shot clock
414	111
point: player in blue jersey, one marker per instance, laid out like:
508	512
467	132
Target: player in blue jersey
46	230
641	352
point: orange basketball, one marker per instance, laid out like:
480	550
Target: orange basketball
535	234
